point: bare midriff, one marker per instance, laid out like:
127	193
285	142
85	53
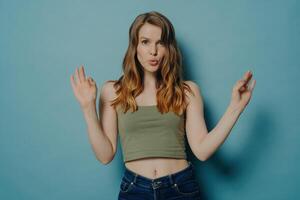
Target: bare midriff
153	168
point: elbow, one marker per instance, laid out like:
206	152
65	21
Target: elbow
202	157
105	161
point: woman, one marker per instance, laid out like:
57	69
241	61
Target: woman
163	108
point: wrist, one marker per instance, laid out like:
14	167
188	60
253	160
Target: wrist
89	107
235	109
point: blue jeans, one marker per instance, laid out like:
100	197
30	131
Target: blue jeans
180	185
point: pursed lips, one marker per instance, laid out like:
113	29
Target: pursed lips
153	60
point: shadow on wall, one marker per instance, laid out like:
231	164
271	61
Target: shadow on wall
242	163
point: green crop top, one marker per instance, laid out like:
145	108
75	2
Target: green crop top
148	133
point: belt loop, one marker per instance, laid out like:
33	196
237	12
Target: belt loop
135	176
191	164
171	179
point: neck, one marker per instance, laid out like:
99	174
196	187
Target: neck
150	80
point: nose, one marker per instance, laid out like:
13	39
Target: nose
153	50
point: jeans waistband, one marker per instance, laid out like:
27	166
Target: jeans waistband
167	180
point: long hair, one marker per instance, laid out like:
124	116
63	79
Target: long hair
170	86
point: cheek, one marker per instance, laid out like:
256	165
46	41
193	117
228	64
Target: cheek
141	53
162	52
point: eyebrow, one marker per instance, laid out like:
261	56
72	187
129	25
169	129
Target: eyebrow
147	38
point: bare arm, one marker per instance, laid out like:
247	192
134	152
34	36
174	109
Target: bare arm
204	144
100	143
216	137
102	132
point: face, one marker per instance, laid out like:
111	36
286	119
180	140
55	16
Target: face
150	49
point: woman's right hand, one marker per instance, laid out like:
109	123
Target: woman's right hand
84	88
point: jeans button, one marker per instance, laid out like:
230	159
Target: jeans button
156	184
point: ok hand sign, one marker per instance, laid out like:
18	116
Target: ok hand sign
85	89
242	91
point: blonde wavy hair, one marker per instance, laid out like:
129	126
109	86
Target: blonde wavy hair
170	86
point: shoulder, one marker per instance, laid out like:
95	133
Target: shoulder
107	90
193	86
195	90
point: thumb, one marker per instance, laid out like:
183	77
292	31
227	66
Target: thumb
91	81
239	85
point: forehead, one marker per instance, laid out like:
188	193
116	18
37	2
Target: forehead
150	31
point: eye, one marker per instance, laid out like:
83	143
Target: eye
161	42
144	41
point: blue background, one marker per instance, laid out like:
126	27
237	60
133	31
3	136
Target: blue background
44	148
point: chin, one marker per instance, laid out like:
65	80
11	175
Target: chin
152	69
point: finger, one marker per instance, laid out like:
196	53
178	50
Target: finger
247	76
73	82
251	87
77	76
91	81
243	88
82	74
243	83
239	84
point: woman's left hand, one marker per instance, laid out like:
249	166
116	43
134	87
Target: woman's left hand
242	92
